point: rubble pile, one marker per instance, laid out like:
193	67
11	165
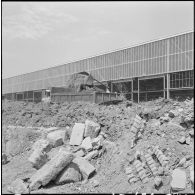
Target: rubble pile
125	148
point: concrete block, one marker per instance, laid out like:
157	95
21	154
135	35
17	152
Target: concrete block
86	144
91	155
50	170
178	182
69	175
43	145
79	153
77	134
92	129
56	138
85	167
38	158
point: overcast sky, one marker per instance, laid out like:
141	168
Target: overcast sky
38	35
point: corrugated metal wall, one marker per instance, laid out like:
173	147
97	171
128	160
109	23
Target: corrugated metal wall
143	60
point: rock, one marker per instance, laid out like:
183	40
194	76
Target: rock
182	140
95	183
92	129
157	181
77	134
137	154
4	159
86	144
50	170
43	145
91	155
188	140
85	167
191	132
172	113
38	158
97	142
80	153
18	187
182	161
56	138
69	175
192	175
161	171
178	180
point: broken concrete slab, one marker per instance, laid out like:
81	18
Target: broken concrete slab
79	153
92	129
85	167
51	169
91	155
56	138
18	187
86	144
178	182
69	175
38	158
43	145
77	134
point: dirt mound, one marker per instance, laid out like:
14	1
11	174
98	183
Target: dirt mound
166	122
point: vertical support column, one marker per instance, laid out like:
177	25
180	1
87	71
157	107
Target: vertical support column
168	85
164	87
111	87
33	96
138	90
132	90
168	75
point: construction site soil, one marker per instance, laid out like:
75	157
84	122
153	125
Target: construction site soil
166	122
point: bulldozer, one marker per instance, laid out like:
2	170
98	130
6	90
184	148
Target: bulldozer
82	82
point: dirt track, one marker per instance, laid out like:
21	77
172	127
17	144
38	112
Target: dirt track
115	121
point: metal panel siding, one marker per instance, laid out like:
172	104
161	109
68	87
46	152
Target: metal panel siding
146	59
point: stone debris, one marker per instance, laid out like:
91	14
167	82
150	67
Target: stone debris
151	164
79	153
182	140
38	158
182	162
92	129
160	156
95	183
43	145
161	171
91	155
172	113
86	144
188	140
70	174
18	187
77	134
51	169
56	138
192	174
85	167
4	159
178	182
157	181
141	171
130	175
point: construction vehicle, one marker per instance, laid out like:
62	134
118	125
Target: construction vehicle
81	83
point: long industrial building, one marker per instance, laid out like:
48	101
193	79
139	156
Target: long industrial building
160	68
